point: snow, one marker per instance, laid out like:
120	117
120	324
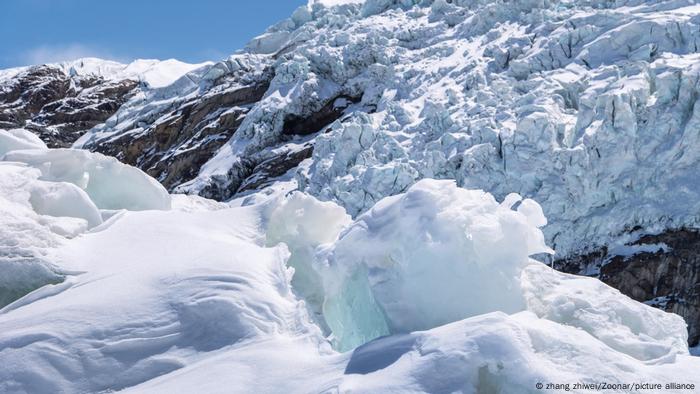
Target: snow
174	300
432	248
19	139
62	199
332	3
154	73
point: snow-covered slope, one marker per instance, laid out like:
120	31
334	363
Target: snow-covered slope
61	101
154	73
204	297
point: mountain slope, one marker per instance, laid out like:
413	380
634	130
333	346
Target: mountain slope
60	102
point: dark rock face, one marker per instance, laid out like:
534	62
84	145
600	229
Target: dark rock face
294	145
312	123
667	278
176	145
59	107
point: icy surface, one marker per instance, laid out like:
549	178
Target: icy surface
205	297
109	183
19	139
570	103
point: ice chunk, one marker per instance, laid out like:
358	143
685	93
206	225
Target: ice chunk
303	223
109	183
445	252
19	139
63	199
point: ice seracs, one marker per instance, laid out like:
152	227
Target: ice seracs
572	104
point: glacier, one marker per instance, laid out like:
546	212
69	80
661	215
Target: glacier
572	104
431	290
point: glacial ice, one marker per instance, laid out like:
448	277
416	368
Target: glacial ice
303	223
439	254
570	103
109	183
50	196
17	139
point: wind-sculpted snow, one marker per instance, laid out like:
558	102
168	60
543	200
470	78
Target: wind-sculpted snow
214	298
571	103
109	183
18	139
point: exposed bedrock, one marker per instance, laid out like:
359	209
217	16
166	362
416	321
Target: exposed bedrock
59	107
660	270
176	145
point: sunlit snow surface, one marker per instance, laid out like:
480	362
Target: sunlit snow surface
288	294
154	73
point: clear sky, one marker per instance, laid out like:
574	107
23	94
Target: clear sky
42	31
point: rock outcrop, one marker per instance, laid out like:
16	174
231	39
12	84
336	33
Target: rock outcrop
661	270
57	106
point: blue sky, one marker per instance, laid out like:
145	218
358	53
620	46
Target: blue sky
41	31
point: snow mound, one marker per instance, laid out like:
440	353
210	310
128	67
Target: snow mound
17	139
498	353
109	183
173	301
629	327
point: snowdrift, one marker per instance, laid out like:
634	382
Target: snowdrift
432	290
